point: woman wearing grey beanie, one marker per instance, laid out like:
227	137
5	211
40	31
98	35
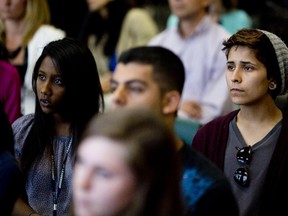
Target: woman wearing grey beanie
250	144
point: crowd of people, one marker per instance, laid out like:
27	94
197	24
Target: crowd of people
88	112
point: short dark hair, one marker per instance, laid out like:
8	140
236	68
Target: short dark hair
168	69
263	50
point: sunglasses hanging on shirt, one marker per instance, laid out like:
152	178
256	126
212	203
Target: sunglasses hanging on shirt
244	157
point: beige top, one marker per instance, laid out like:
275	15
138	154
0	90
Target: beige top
137	29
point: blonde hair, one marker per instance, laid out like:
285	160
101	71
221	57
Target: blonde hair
37	13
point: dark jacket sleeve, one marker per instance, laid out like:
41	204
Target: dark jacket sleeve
211	139
212	202
275	192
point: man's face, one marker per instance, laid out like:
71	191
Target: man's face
133	85
188	8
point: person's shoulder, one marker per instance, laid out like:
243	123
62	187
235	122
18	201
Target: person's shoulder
137	12
140	15
161	36
21	128
9	164
220	120
44	35
217	29
50	29
221	31
7	67
204	167
47	33
202	182
23	122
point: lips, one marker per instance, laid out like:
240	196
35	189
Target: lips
44	102
236	90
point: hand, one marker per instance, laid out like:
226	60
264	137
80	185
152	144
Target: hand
105	82
192	108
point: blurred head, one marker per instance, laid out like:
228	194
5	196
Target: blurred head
12	9
267	49
95	5
33	12
184	9
103	181
126	164
150	77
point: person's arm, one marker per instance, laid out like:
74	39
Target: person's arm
21	208
13	95
192	108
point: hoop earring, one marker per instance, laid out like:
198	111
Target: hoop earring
272	86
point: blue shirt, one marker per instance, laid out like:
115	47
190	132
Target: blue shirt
206	189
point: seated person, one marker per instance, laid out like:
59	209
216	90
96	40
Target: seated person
153	77
11	179
250	144
127	166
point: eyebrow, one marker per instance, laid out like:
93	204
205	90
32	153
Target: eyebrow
113	81
241	62
44	72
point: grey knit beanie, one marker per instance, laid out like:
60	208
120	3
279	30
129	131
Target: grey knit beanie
281	52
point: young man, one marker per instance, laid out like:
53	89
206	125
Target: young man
197	40
153	77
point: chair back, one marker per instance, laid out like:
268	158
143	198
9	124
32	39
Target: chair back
186	129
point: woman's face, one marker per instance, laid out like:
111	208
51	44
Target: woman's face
49	87
246	77
12	9
103	184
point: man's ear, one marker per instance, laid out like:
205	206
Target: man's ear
171	101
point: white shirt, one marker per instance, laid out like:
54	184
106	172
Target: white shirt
44	35
205	65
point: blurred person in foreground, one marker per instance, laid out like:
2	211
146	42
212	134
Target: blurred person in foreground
126	164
